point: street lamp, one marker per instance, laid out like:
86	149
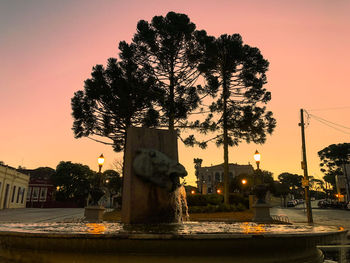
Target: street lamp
94	212
244	181
260	190
261	207
257	159
100	161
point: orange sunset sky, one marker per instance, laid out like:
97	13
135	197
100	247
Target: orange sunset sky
48	48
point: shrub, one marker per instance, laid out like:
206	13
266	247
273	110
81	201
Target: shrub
196	200
215	199
216	208
235	199
204	200
215	203
241	207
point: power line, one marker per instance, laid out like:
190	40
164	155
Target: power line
325	123
336	124
334	108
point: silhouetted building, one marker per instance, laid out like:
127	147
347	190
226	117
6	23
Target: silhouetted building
13	187
41	190
341	183
210	179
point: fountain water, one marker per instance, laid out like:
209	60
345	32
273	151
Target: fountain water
150	232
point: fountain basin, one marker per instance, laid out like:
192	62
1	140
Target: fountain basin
190	242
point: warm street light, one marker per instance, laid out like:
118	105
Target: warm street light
261	207
193	192
218	191
100	161
94	211
257	158
244	181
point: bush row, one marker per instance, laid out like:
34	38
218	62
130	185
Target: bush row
216	200
216	208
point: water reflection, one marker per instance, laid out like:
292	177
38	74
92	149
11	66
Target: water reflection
186	228
95	228
252	229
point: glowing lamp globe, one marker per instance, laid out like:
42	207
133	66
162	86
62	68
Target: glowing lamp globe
101	160
257	156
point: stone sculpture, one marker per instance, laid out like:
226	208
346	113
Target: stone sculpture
157	168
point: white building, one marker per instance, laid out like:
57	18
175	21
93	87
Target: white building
210	179
341	183
13	188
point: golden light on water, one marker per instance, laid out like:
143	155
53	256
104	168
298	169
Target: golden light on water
247	228
95	228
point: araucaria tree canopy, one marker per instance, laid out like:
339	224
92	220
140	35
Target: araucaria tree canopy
113	99
167	50
236	74
154	84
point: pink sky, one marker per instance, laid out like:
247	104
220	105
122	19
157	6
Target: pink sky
47	50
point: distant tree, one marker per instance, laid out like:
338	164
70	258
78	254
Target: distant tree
118	166
197	164
114	98
73	182
2	163
330	179
293	181
236	73
167	50
282	190
267	176
237	182
333	159
112	181
316	183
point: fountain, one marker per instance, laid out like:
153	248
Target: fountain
150	231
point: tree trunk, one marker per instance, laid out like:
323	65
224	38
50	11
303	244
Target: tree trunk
171	101
226	166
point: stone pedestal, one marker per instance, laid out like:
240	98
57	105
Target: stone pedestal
144	202
94	213
262	213
251	201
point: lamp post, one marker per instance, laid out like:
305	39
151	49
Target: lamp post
257	161
94	212
261	207
244	182
100	162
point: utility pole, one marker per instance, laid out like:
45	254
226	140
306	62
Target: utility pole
304	167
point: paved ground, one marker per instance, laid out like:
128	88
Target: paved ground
334	217
35	215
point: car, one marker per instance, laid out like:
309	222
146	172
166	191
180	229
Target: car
291	203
